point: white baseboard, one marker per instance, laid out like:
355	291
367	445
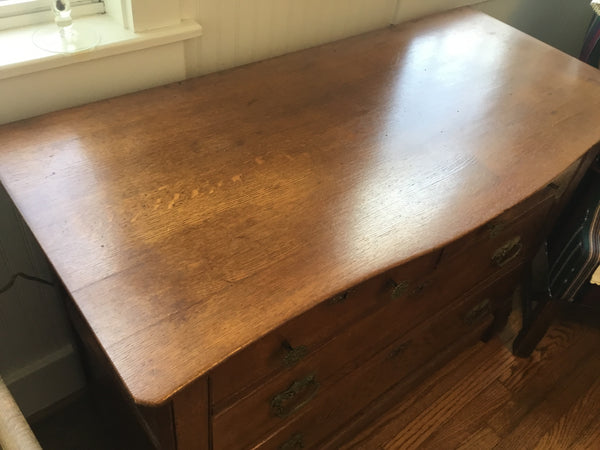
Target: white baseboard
46	381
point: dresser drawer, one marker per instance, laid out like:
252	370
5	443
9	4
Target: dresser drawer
502	243
286	394
297	340
451	330
521	221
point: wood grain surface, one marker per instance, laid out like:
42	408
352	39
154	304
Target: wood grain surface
189	220
488	398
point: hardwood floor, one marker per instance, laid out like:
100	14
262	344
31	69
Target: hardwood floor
485	398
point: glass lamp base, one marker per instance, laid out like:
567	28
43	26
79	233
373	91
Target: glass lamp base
72	39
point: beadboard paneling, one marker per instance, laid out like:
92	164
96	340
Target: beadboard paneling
412	9
237	32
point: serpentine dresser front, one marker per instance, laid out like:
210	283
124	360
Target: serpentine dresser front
270	256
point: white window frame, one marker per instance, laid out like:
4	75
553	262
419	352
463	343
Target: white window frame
136	39
134	15
144	15
22	13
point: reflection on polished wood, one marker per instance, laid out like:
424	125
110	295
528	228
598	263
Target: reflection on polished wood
190	220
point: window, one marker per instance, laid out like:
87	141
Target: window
19	13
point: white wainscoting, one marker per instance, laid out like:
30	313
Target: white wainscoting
237	32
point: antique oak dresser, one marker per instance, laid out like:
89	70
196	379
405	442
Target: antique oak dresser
270	256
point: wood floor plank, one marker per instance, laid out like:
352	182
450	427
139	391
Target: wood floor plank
470	422
571	425
590	435
558	340
559	353
416	401
480	439
541	419
436	400
452	401
487	398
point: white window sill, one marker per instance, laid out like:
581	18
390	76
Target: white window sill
19	56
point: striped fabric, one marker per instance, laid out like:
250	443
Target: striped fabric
574	245
590	261
590	53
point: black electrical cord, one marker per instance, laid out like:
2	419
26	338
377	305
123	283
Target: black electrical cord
11	282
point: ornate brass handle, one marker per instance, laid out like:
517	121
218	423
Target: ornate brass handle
478	312
399	289
293	354
509	251
295	397
296	441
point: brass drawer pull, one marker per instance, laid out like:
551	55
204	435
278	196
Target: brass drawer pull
509	251
399	289
293	354
295	397
296	441
478	312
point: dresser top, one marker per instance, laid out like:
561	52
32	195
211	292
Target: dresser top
191	219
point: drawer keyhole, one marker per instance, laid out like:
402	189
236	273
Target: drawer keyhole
293	355
399	289
339	298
